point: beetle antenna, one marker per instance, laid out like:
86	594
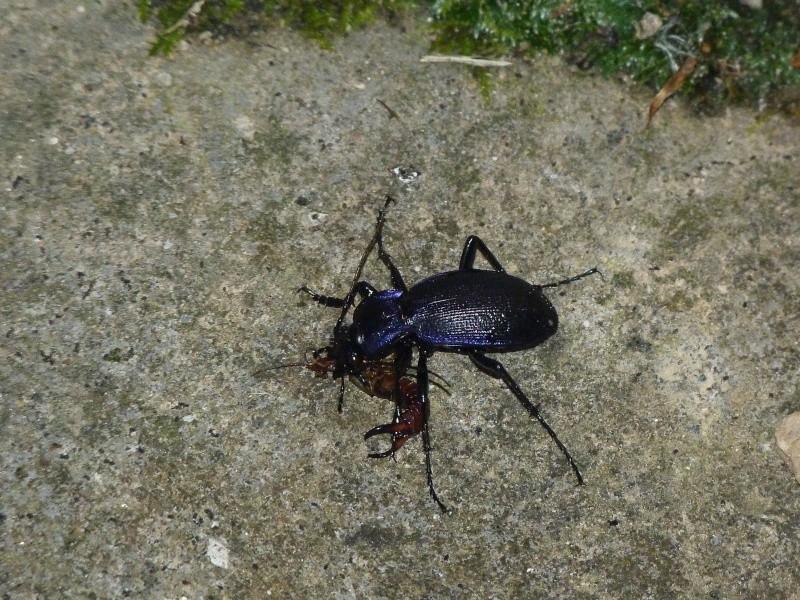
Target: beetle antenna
292	364
348	301
285	366
572	279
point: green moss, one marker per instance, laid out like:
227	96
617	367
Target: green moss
484	80
744	54
178	16
321	21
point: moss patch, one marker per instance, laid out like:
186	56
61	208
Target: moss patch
745	54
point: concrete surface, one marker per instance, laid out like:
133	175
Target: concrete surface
158	214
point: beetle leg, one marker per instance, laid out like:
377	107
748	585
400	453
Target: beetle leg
402	360
471	246
362	288
394	272
422	384
497	370
571	279
340	404
329	301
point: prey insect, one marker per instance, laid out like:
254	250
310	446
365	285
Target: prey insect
378	379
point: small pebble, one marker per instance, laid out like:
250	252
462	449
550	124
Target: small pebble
217	553
648	26
787	435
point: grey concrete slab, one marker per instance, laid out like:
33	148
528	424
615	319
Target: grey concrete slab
158	214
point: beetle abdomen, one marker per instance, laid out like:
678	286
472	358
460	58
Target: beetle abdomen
479	310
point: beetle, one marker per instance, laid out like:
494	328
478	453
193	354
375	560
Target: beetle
467	311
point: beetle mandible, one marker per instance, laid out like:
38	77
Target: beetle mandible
467	311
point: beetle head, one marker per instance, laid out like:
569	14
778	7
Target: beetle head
339	357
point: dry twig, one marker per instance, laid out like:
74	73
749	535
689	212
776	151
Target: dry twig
466	60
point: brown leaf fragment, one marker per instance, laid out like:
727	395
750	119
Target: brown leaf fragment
674	83
796	61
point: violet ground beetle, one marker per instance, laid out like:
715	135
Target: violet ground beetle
468	311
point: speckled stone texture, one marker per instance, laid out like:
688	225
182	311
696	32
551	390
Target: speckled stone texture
158	215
